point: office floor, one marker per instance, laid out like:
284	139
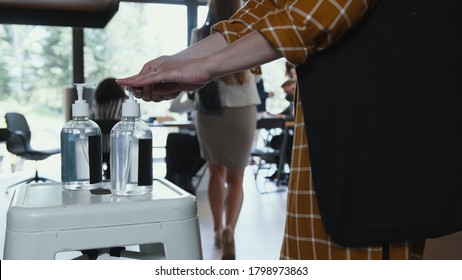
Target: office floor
260	228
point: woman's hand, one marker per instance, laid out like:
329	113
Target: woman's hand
166	77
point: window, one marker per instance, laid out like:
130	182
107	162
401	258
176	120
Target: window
201	14
136	34
35	66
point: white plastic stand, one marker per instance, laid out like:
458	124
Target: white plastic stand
45	219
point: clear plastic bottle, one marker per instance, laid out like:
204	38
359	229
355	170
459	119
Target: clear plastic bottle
81	157
131	152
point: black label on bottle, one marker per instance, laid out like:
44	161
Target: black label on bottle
95	160
145	162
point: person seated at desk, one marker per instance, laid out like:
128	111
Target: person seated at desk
289	88
183	157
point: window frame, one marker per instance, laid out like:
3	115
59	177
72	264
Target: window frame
78	36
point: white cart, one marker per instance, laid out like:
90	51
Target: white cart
45	219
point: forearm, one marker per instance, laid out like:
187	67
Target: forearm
247	52
210	44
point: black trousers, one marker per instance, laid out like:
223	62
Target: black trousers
276	143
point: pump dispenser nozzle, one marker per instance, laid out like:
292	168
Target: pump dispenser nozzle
80	107
130	108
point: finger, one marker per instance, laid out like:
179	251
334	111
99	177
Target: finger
125	81
159	98
141	79
165	88
138	92
141	92
171	88
148	93
169	96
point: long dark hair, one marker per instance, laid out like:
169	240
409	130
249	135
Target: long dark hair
220	10
107	90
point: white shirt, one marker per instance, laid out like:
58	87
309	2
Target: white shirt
234	95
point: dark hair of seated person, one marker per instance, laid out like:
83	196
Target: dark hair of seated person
107	90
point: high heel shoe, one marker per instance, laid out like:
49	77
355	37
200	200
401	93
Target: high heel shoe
229	251
218	239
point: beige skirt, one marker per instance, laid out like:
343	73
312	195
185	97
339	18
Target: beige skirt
227	139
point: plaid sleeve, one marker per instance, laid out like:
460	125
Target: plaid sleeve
296	28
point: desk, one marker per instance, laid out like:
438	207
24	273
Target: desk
44	219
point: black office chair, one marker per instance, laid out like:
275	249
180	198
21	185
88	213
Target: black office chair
4	134
18	143
266	155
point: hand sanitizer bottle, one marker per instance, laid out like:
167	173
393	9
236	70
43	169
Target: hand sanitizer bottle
81	158
131	152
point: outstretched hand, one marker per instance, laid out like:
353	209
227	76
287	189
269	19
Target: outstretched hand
166	77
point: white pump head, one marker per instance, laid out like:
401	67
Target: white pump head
130	108
80	108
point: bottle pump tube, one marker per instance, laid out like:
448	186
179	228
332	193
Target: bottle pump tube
81	157
131	152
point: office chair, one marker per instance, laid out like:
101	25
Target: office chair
18	143
267	156
184	165
4	134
